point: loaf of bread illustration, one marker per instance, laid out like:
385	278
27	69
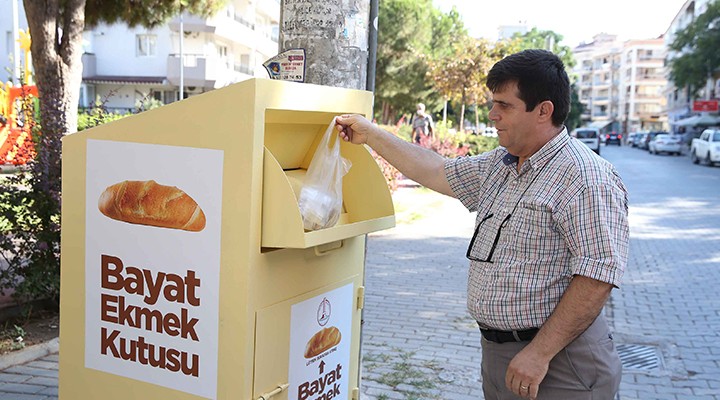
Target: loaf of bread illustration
324	340
150	203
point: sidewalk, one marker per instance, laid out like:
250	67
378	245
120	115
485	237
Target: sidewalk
31	373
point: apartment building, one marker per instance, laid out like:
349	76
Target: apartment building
126	66
620	83
642	82
596	75
678	100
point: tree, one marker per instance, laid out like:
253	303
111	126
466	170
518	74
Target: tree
461	74
30	200
410	33
537	39
404	32
697	46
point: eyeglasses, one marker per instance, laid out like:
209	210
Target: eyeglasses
485	218
487	259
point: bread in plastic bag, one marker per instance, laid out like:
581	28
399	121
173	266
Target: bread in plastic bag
320	198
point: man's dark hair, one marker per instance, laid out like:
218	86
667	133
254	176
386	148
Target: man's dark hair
540	76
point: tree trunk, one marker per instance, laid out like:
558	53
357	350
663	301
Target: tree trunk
477	119
334	35
57	60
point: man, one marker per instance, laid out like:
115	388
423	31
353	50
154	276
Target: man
422	123
551	235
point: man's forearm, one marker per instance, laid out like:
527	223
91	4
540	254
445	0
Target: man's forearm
415	162
578	308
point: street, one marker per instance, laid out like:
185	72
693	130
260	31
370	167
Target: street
420	343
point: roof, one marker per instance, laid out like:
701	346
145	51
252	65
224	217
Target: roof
698	120
137	80
598	124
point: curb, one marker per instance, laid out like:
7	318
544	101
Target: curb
29	354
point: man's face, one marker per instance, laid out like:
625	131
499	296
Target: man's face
514	124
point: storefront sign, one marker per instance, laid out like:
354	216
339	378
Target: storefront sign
705	105
152	263
320	336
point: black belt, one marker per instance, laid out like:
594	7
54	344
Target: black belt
509	336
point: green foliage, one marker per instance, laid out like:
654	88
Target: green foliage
697	47
478	144
537	39
96	116
409	33
149	13
576	109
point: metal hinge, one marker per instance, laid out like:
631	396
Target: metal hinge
361	298
356	394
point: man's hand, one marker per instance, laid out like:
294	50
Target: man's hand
578	308
354	128
525	372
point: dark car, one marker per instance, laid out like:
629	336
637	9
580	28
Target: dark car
613	137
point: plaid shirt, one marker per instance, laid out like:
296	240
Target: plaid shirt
568	216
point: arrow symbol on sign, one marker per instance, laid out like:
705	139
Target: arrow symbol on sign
322	366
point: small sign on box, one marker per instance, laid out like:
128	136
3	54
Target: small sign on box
705	105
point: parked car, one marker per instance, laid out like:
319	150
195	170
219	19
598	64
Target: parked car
706	147
670	144
613	137
650	136
589	136
640	140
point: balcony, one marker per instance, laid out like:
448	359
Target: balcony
207	72
238	29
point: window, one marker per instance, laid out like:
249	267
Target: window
146	45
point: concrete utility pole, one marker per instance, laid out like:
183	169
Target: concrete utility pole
334	34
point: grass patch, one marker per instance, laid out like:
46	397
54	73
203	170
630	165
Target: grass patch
11	338
398	369
415	205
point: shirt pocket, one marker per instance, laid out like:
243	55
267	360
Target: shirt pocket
535	230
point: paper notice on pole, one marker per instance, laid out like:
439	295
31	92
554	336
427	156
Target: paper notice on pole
320	337
287	66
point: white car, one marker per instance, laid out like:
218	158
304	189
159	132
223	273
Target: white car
670	144
589	136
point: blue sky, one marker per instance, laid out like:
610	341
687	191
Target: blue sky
577	20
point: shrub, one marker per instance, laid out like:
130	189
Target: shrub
30	219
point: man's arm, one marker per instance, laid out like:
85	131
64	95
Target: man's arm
576	311
417	163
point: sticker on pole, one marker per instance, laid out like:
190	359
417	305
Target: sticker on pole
287	66
321	329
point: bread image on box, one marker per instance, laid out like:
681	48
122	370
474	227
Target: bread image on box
322	341
153	204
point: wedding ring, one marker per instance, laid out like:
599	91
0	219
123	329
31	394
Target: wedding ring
523	387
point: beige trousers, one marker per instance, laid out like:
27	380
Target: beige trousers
588	368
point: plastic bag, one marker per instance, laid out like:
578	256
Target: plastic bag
320	198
